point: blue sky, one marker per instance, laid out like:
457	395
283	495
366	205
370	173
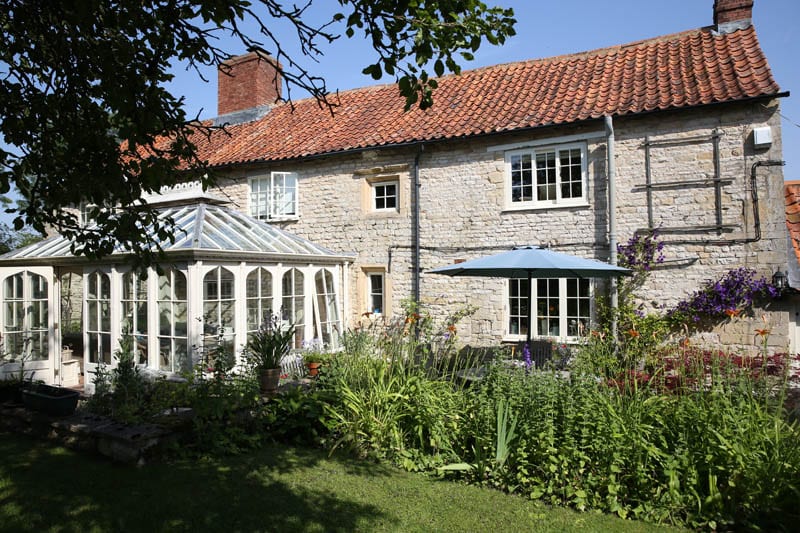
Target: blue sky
566	26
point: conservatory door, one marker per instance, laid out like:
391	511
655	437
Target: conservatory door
25	343
97	347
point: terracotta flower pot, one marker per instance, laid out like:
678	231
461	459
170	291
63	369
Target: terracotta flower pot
313	369
268	379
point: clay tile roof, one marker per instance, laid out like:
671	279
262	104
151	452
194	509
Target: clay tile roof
691	68
792	192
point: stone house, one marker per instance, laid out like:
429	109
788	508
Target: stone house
517	154
679	133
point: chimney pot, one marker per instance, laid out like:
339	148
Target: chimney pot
247	81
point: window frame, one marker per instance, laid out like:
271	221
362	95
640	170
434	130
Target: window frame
558	201
563	309
172	341
374	195
370	293
265	185
26	315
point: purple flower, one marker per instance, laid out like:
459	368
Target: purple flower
526	357
735	290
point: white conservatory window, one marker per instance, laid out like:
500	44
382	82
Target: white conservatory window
259	298
218	305
98	323
292	309
562	307
274	197
172	322
25	322
548	176
326	315
134	313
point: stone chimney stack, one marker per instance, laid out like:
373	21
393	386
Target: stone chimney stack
731	15
246	82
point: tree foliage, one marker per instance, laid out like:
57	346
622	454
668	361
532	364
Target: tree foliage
84	97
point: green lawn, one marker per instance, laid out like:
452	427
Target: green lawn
48	488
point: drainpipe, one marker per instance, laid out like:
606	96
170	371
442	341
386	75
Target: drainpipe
415	259
612	217
754	195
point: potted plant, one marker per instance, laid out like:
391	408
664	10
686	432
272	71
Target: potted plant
264	351
314	359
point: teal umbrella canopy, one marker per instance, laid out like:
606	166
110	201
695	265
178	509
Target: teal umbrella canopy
533	262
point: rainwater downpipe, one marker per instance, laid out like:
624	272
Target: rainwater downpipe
415	259
612	219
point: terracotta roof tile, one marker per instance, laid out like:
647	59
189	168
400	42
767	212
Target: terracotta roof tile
686	69
792	192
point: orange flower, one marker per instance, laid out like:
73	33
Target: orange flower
732	312
685	342
451	328
633	333
763	332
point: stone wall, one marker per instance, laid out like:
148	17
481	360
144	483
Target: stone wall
464	214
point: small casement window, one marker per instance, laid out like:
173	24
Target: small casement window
385	195
376	285
550	176
274	197
562	307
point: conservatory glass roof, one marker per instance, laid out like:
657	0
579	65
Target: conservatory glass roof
204	228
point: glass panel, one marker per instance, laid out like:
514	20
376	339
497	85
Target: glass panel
164	287
92	309
105	287
127	286
180	320
38	287
165	354
91	289
93	348
105	339
141	349
164	318
105	316
141	317
180	285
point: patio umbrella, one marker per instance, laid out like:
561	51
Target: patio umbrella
532	262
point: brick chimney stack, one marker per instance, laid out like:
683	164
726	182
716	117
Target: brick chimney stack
730	15
247	81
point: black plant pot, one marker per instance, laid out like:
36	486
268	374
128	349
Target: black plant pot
55	401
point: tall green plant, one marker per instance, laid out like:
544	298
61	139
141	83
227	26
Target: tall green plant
267	346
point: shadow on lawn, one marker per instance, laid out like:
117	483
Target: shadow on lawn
44	487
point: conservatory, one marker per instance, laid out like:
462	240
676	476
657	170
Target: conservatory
222	277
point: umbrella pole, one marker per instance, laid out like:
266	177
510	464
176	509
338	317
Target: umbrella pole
530	309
